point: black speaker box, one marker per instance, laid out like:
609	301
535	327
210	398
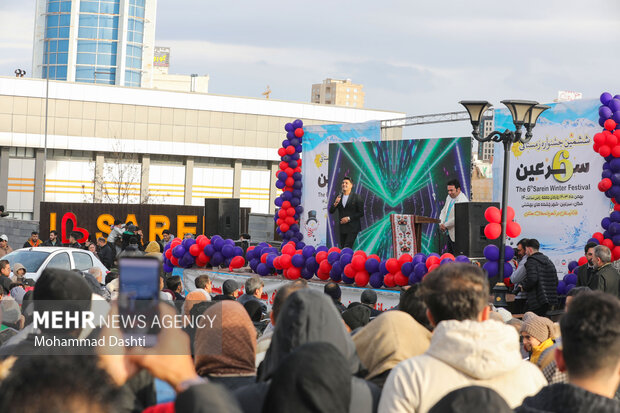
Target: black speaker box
222	217
469	223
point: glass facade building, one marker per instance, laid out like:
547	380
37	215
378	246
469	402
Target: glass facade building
94	41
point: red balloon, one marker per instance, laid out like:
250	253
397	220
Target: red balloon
508	283
596	147
404	258
432	260
392	265
288	171
616	207
510	214
282	213
611	140
289	220
168	253
290	150
615	253
375	256
582	260
615	151
513	229
276	263
289	181
283	165
605	184
610	124
288	249
349	271
320	256
203	243
202	257
286	205
298	164
599	236
433	267
284	227
281	152
290	212
298	169
492	231
401	279
608	243
299	132
358	262
333	249
617	133
362	278
236	262
322	275
388	280
604	150
446	255
362	253
493	215
325	266
263	258
194	250
285	261
293	273
599	138
175	261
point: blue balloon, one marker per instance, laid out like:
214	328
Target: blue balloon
572	265
178	251
333	257
407	268
298	149
299	209
293	164
614	191
614	105
297	123
614	228
382	268
322	248
308	251
491	252
492	268
282	176
420	269
228	251
418	258
605	222
372	265
296	193
188	242
250	255
569	287
295	201
445	261
601	121
614	165
337	268
237	251
509	253
570	278
298	260
462	258
347	250
616	239
607	174
297	185
606	165
615	216
286	158
289	127
507	269
286	195
605	112
605	99
594	240
168	268
347	280
285	143
218	244
306	274
254	263
296	176
210	250
290	135
345	258
376	280
217	259
312	265
294	142
262	269
269	261
561	288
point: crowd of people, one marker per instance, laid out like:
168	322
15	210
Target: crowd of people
445	348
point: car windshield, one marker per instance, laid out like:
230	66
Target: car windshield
32	260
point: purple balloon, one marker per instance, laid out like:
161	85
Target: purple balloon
308	251
509	253
306	274
492	268
168	268
297	123
434	254
462	258
335	275
290	135
188	242
294	141
312	265
298	149
228	251
601	121
178	251
418	258
298	260
217	259
561	288
616	116
507	269
382	268
614	105
594	240
615	216
605	222
333	257
210	250
218	243
347	280
607	174
237	251
572	265
606	98
570	278
347	250
420	269
407	269
322	248
345	259
569	287
445	261
289	127
262	269
605	112
376	280
614	165
372	265
491	252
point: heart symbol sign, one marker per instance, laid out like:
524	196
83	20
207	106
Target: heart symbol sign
70	216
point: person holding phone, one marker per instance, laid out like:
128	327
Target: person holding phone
350	207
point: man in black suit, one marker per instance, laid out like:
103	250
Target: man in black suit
350	209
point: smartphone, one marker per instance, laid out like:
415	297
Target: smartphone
138	299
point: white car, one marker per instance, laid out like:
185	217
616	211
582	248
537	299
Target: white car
37	259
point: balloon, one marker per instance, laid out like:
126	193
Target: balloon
445	261
404	258
298	260
168	253
606	98
510	213
293	273
297	123
615	253
407	269
491	267
349	271
605	184
509	253
168	268
392	265
561	289
569	287
299	132
582	261
493	215
513	229
306	274
433	267
178	251
419	270
605	150
322	275
507	269
236	262
605	112
400	279
388	280
194	250
262	269
608	243
358	262
491	252
325	267
376	280
228	251
333	256
217	259
610	125
447	255
432	260
570	278
362	278
372	265
286	261
462	258
492	231
346	258
320	256
333	249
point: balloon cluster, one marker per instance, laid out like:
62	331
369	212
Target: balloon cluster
607	144
570	280
202	251
494	228
344	265
289	180
491	253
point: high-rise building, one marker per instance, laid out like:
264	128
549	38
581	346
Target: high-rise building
338	92
95	41
485	149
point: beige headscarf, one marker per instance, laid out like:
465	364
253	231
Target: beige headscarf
387	340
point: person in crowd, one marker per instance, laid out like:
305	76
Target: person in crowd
115	238
193	298
188	235
226	353
387	340
204	285
5	275
253	292
472	399
230	291
466	349
356	317
111	276
164	293
33	241
255	312
92	247
19	272
308	316
369	299
11	316
18	292
410	303
166	237
350	207
537	335
574	292
585	272
128	234
278	301
334	292
53	240
175	285
152	250
540	281
518	275
73	241
590	354
102	290
106	253
309	363
607	277
446	216
5	248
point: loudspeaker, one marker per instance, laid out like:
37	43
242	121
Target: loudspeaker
469	223
222	217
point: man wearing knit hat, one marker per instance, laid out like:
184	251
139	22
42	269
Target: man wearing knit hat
537	334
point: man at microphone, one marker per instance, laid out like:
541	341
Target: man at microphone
350	208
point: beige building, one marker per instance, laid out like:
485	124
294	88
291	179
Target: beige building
338	92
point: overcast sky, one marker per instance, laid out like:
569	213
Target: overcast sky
417	57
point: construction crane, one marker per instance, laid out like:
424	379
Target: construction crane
267	92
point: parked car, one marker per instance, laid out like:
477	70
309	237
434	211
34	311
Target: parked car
39	258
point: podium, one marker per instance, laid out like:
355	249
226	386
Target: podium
404	240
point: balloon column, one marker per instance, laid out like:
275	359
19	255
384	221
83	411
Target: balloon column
289	180
491	253
494	228
607	144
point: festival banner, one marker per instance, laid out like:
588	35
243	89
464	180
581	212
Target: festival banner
315	172
553	180
386	299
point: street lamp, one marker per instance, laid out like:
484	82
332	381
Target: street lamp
524	113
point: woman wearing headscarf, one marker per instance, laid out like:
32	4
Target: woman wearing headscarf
309	316
225	352
387	340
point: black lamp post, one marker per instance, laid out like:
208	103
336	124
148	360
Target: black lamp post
524	113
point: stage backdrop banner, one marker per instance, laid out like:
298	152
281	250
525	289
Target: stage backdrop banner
553	180
386	299
398	177
315	172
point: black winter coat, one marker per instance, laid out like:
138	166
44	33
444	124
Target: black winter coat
586	277
106	255
540	282
567	398
354	210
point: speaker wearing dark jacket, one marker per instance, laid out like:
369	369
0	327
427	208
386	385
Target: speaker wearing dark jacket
352	212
